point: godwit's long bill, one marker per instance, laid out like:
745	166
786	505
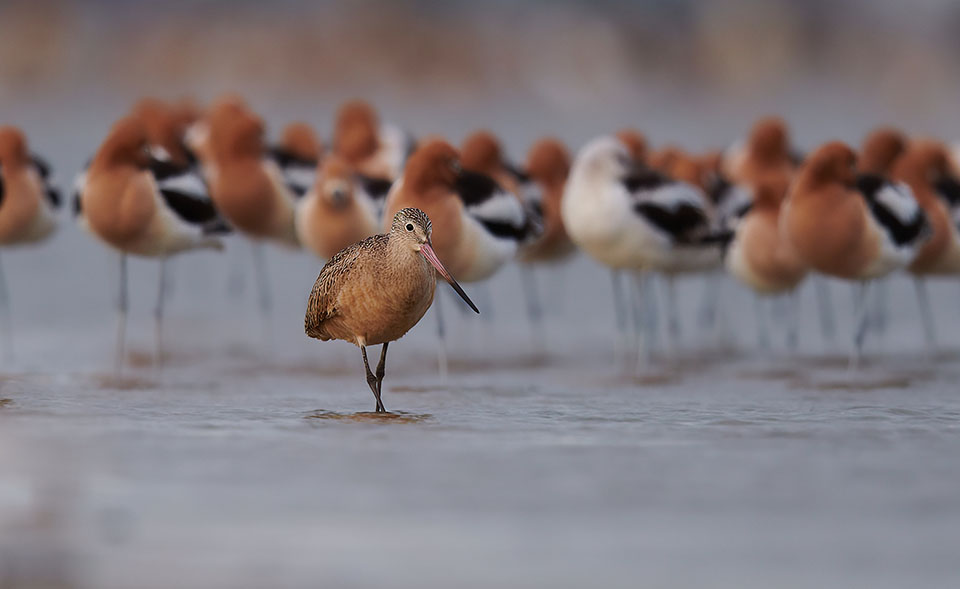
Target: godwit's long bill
374	291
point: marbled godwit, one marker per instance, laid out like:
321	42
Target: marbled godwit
336	212
374	291
925	167
125	208
27	203
374	149
479	225
298	154
632	218
856	228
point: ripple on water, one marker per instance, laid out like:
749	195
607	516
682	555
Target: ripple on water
369	416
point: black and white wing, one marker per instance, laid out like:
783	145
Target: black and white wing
79	183
497	210
895	209
731	202
375	191
51	190
299	174
948	188
675	208
185	192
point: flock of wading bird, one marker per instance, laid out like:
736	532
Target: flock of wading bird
170	178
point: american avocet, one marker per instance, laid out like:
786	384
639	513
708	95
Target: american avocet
856	228
250	190
760	257
166	125
374	149
173	164
479	225
546	170
879	151
482	152
28	201
633	218
636	144
925	167
298	153
374	291
336	212
126	209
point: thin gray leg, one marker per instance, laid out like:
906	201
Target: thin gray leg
263	288
534	309
441	336
860	329
793	320
7	317
619	314
673	317
926	314
825	309
158	314
763	329
123	304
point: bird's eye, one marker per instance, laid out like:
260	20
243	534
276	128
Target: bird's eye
409	226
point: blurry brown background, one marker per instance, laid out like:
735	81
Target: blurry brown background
692	71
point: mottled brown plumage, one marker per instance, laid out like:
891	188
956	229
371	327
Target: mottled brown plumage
374	291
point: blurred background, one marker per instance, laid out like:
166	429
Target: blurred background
570	67
240	467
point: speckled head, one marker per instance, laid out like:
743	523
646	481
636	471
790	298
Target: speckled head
13	146
412	226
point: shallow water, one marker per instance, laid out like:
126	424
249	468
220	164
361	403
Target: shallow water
252	459
234	467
